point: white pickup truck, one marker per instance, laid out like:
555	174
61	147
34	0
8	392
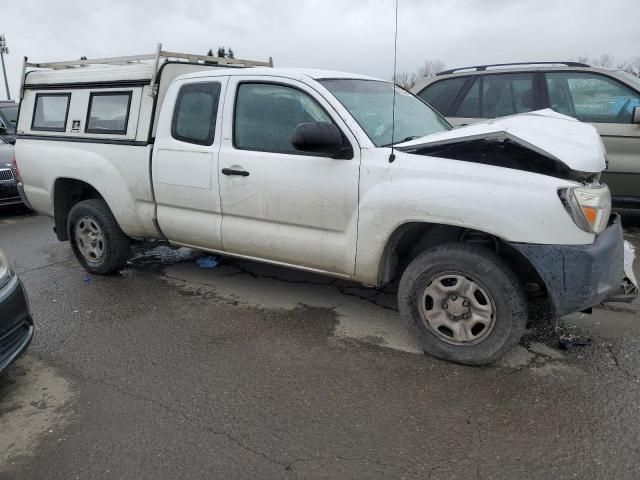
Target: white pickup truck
305	168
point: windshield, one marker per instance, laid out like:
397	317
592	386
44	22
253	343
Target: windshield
9	115
371	104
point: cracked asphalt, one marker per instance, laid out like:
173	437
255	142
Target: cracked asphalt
171	371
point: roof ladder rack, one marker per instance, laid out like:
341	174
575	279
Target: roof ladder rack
155	57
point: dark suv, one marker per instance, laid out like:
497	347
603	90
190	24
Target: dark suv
16	325
608	99
9	194
8	116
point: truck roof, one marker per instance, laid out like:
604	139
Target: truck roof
295	73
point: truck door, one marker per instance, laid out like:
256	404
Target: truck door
185	162
278	203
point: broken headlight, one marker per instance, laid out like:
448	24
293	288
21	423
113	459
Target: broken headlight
5	268
589	206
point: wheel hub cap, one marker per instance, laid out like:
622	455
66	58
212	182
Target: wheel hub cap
90	239
457	308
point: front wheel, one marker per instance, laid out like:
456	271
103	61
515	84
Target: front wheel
463	303
96	238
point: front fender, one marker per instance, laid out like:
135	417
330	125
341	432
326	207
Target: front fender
512	205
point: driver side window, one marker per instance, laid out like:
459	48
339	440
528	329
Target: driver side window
267	114
591	98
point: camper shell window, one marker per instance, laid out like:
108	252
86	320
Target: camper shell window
108	113
51	112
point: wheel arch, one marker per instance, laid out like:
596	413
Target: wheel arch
410	239
67	192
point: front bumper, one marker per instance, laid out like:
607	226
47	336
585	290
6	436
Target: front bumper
9	194
578	277
16	325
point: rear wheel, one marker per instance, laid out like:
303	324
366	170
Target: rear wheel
463	303
96	239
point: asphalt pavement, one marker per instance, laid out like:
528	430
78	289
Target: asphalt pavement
170	370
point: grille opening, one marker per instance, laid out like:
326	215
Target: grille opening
6	175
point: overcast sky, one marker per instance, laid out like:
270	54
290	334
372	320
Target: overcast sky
350	35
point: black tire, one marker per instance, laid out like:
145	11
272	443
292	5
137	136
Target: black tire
487	270
116	245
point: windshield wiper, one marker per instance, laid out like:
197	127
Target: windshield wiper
407	139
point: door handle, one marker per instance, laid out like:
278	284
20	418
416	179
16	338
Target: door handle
230	171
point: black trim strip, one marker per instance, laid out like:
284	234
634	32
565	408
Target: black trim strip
85	85
625	202
108	141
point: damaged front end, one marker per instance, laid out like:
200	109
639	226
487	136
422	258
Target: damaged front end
543	142
576	276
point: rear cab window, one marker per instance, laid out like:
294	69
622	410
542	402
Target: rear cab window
195	113
51	112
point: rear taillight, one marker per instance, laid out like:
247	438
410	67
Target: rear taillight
16	172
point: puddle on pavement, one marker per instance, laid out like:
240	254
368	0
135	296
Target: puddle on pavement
359	317
364	314
33	404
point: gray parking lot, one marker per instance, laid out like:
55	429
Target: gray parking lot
170	370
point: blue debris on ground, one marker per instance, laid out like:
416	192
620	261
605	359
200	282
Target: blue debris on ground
207	262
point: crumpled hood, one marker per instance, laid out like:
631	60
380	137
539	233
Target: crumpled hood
557	136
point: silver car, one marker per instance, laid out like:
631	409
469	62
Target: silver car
608	99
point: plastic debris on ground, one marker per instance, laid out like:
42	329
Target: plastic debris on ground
86	279
629	257
207	262
569	340
569	336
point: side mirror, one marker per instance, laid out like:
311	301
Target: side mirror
635	115
320	137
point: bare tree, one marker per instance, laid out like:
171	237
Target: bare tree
405	80
605	60
430	68
626	67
